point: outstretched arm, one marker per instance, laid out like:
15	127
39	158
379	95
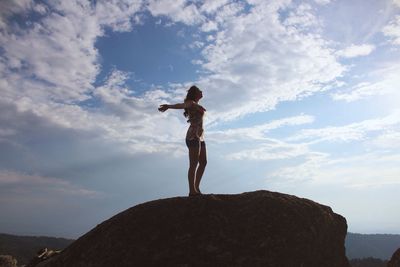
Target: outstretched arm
164	107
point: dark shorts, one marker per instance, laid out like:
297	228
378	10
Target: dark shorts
195	143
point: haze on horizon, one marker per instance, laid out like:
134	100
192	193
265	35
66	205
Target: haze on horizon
302	97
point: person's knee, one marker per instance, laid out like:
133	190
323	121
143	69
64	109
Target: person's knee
203	163
193	164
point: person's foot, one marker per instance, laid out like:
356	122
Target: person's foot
194	194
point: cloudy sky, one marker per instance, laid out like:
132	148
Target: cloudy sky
302	97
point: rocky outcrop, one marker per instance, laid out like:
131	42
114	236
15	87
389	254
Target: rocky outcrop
7	261
395	260
25	248
259	228
42	255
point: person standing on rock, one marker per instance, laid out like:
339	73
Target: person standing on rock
194	137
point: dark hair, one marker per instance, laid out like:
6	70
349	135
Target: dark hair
191	95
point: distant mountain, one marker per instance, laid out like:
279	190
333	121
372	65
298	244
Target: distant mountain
380	246
24	248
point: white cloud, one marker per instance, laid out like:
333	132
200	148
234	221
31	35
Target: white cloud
128	127
257	132
387	140
266	148
310	169
274	63
59	50
41	9
176	10
113	91
119	15
209	26
383	81
271	150
361	90
396	2
344	134
392	30
302	17
196	45
368	170
228	12
211	6
256	51
356	51
29	182
7	8
358	131
322	2
256	62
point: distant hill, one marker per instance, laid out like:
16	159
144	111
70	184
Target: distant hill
380	246
368	262
24	248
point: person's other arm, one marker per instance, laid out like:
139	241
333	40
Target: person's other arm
164	107
177	106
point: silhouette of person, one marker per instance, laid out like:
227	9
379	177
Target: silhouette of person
194	137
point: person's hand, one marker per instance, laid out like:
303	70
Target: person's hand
163	108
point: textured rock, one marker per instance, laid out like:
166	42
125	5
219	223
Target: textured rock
7	261
395	260
251	229
42	255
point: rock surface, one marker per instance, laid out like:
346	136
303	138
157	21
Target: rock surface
259	228
42	255
7	261
395	260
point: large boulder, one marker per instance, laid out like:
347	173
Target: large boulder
251	229
395	260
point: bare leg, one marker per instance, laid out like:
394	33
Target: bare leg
201	168
193	161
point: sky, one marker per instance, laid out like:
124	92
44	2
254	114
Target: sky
302	98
